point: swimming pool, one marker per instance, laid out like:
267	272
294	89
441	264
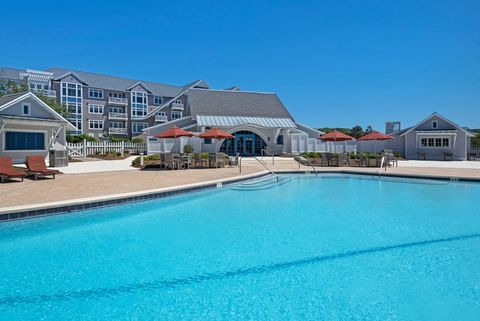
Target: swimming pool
336	247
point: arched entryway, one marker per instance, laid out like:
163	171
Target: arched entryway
245	143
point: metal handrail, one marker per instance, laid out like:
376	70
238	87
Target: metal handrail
309	164
268	154
268	169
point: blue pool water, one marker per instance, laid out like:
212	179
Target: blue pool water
337	247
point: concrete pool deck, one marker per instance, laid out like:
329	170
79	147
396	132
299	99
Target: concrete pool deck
85	187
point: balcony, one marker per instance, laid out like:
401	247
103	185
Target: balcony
118	101
177	106
45	92
117	131
120	116
161	119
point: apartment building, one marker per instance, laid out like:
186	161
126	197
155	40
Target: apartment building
102	105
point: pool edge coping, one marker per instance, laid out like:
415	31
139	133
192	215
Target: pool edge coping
79	204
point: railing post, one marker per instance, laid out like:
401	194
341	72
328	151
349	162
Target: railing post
84	147
240	164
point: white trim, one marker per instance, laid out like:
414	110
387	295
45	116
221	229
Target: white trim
4	139
139	83
29	94
70	73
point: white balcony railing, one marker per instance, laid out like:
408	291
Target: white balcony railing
117	101
117	131
46	92
177	106
161	119
122	116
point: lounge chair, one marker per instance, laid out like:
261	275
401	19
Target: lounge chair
7	171
362	160
200	161
323	159
36	167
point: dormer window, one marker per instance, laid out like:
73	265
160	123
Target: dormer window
434	124
26	109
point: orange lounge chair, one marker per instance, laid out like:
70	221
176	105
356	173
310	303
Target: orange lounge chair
7	171
36	167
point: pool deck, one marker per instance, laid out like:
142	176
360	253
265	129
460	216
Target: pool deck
88	187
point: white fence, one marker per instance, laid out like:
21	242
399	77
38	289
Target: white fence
301	144
85	148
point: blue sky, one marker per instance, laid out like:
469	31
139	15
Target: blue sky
333	63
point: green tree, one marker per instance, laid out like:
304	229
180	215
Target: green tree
54	104
8	87
476	141
369	129
356	131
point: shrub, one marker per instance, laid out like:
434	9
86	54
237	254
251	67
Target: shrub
204	155
136	161
79	138
187	149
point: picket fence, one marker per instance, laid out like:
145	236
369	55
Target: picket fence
85	148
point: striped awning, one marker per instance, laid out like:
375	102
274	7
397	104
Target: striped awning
233	121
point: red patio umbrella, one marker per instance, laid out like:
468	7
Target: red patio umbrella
174	132
376	135
216	133
335	136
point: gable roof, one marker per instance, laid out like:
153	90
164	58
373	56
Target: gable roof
406	131
139	83
11	73
8	100
118	83
210	102
70	73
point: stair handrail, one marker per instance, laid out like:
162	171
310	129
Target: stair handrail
268	154
268	169
308	164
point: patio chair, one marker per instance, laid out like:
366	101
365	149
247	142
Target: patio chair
36	167
323	159
473	156
391	160
234	160
333	160
448	156
199	160
7	171
186	161
170	161
219	160
343	159
362	161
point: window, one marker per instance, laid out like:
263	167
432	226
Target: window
117	124
434	124
280	140
24	141
138	127
139	104
95	93
26	109
435	142
95	109
178	102
161	113
117	95
176	114
71	96
157	100
95	124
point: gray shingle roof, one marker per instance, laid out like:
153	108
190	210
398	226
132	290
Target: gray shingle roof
236	103
117	83
8	98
